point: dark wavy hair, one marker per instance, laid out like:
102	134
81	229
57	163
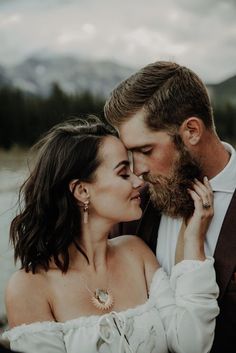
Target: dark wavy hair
49	219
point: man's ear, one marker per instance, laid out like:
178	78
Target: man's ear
79	190
191	131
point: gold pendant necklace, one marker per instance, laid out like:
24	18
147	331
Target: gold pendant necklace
102	299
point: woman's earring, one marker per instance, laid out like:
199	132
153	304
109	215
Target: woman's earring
86	203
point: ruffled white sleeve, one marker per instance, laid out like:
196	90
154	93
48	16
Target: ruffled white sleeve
45	337
187	303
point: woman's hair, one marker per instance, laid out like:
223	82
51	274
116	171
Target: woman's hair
49	219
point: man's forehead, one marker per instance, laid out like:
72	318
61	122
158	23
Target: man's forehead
134	133
134	142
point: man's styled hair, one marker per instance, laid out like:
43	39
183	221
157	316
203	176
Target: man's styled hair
168	94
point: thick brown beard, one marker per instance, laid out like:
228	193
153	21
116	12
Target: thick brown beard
169	194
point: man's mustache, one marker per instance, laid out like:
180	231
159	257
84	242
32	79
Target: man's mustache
152	179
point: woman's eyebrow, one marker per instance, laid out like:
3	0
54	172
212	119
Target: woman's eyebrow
125	163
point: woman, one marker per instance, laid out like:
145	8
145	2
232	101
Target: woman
79	291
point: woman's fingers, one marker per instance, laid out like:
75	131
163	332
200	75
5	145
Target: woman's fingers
196	199
204	191
207	183
202	196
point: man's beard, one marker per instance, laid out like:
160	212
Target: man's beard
170	194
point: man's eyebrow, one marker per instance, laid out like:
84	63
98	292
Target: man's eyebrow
125	163
137	148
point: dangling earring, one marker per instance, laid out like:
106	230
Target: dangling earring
86	203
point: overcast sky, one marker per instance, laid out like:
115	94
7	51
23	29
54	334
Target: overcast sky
200	34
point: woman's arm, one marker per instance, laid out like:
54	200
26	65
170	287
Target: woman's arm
197	226
26	299
187	304
33	326
187	301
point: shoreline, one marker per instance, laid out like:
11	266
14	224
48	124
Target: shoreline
13	170
14	159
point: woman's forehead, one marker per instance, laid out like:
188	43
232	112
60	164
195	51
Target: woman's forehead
113	151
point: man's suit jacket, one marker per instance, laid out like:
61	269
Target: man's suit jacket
225	266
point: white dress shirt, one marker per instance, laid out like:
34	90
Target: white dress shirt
223	185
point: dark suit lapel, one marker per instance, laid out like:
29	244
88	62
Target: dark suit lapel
225	252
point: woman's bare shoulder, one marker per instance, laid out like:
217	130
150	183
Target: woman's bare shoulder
26	298
136	248
132	244
24	282
124	240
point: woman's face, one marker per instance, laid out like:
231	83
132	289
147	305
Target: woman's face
114	194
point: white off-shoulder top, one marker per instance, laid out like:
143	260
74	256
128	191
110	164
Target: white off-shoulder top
179	316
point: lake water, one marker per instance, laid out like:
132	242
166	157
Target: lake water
12	173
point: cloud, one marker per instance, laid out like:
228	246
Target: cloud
9	20
134	32
85	32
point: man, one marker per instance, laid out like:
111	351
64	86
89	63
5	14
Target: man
164	117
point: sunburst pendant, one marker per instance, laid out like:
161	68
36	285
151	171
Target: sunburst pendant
102	299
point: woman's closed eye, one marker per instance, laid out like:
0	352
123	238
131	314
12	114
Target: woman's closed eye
125	173
124	176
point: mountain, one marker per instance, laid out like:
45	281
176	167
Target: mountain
37	74
224	91
4	78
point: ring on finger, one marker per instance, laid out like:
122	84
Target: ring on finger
206	205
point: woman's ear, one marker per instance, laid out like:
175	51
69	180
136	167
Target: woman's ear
191	131
79	190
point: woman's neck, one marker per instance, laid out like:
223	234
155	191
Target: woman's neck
94	243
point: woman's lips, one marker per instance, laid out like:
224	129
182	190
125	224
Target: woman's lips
136	197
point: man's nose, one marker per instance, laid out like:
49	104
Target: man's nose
137	181
139	165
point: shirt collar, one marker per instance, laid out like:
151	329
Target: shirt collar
225	181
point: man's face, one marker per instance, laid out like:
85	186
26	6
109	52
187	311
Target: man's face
164	162
153	152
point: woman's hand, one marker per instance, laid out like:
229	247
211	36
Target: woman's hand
198	224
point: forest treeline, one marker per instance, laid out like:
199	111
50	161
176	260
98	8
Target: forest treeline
24	118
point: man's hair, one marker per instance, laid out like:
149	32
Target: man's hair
168	94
